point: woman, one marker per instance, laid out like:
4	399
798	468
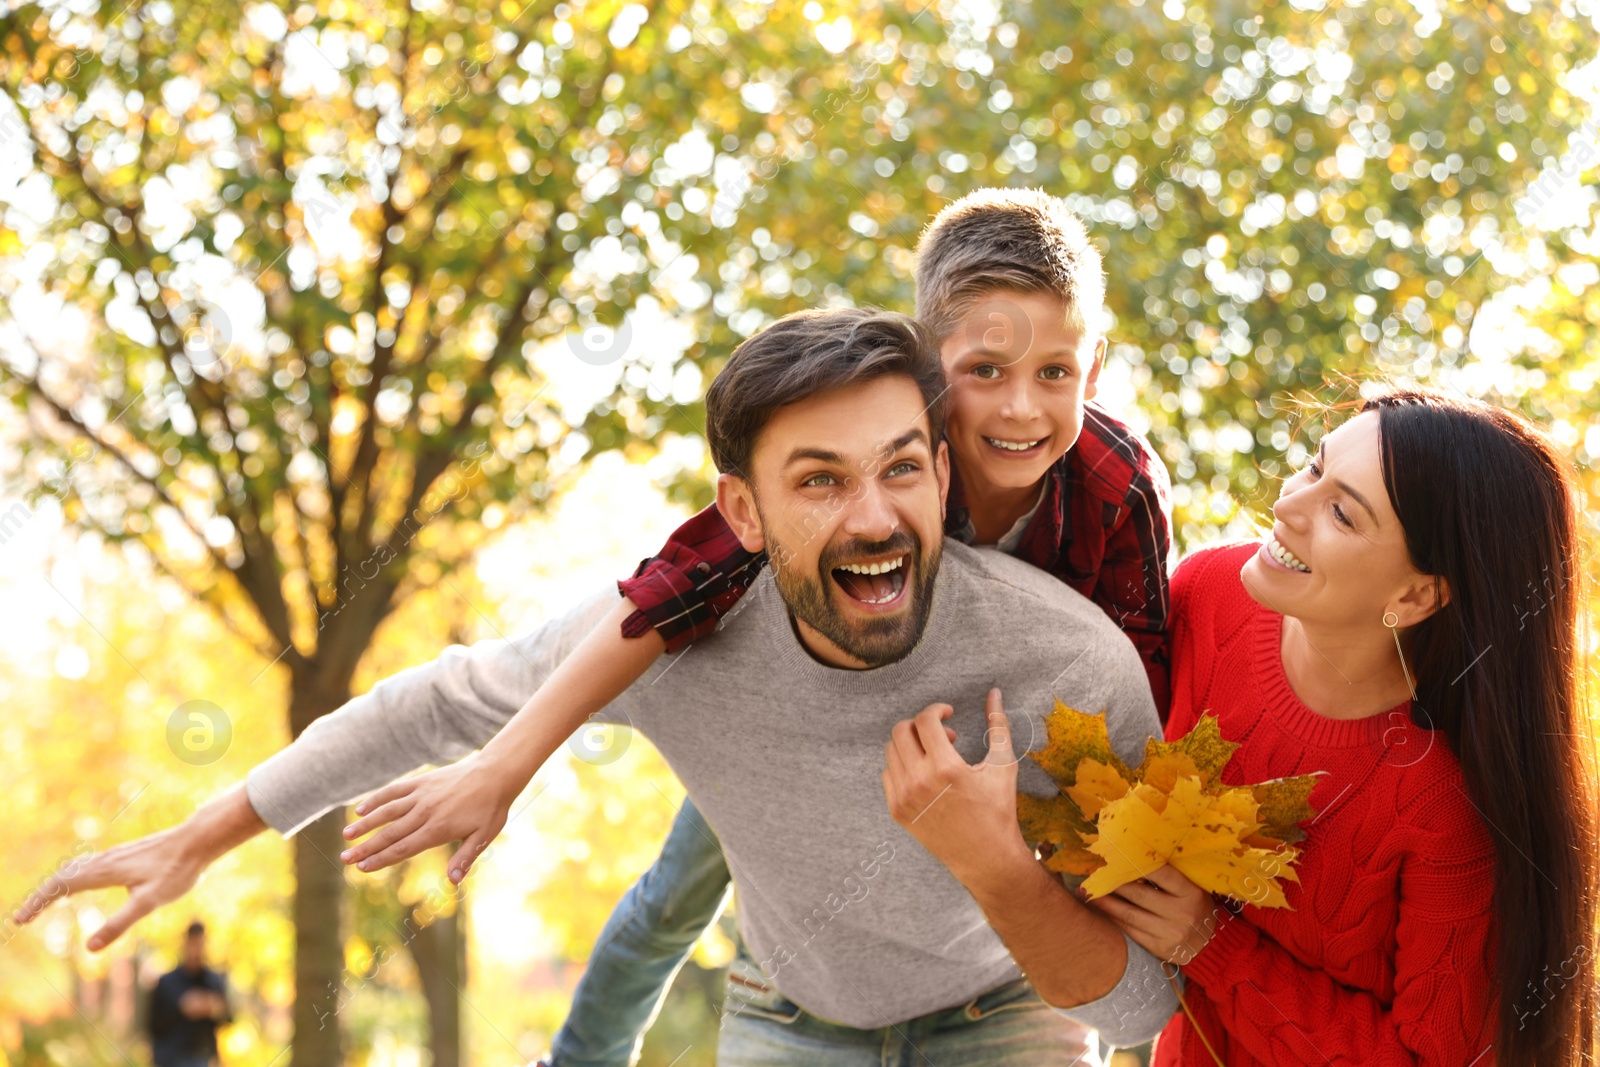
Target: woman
1409	629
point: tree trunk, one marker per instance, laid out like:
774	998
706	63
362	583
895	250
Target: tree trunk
319	978
439	951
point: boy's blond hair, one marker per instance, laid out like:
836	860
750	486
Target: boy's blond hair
997	239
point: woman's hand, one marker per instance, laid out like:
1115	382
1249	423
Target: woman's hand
466	801
1166	914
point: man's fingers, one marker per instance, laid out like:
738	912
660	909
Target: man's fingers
930	728
360	854
388	813
74	876
136	908
999	733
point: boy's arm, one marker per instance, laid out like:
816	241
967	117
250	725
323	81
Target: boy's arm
432	713
1132	586
684	590
469	801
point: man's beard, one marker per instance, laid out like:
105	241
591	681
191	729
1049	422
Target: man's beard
874	640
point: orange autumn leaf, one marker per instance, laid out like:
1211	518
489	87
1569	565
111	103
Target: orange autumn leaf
1110	825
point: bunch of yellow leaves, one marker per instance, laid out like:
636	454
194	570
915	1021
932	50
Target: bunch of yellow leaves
1110	826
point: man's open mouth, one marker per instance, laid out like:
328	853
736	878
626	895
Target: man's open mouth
873	583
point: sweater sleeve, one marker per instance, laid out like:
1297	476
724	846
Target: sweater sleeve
686	588
1282	1011
432	713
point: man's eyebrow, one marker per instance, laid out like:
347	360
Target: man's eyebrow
1322	452
914	434
822	455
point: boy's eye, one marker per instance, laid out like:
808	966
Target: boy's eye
986	370
1053	373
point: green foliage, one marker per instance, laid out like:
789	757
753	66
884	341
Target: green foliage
329	259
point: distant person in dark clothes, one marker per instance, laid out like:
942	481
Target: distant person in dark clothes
186	1007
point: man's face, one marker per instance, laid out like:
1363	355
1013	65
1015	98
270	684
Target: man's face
846	495
194	951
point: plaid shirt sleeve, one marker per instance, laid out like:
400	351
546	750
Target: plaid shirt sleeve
1132	584
684	590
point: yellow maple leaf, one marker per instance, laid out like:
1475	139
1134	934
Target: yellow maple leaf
1095	786
1113	826
1071	737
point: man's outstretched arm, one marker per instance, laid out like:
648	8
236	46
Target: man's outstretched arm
433	713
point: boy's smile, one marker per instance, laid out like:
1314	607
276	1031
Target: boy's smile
1019	375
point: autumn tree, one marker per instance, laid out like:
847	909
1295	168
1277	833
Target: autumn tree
313	250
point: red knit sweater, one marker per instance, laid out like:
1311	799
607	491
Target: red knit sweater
1386	956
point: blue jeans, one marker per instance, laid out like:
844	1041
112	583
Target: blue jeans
643	945
1004	1027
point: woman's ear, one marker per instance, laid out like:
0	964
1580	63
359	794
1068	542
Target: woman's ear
737	502
1426	594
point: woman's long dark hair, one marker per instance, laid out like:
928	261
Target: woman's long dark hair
1490	506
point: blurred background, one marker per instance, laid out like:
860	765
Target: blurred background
337	332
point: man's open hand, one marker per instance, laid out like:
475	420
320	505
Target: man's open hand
964	813
466	802
155	870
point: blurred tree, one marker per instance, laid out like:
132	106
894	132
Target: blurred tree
314	249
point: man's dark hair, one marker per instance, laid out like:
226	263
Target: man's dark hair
196	928
806	353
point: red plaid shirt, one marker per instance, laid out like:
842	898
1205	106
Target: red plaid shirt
1103	527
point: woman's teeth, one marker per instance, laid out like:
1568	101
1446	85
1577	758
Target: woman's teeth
1014	446
1285	557
873	568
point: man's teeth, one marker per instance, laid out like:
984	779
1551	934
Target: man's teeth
873	568
1013	446
1285	557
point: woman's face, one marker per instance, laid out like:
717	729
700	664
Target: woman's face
1337	554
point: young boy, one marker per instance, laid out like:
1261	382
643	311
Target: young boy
1013	291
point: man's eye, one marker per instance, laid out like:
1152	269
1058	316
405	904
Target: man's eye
986	370
1053	373
898	469
820	480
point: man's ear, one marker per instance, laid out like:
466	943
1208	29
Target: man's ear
941	471
737	502
1093	375
1425	596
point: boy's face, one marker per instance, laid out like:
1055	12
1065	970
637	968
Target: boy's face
1019	376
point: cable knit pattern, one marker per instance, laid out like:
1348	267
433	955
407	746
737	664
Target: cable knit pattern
1387	953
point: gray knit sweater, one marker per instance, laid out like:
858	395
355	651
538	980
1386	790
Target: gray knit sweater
852	918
